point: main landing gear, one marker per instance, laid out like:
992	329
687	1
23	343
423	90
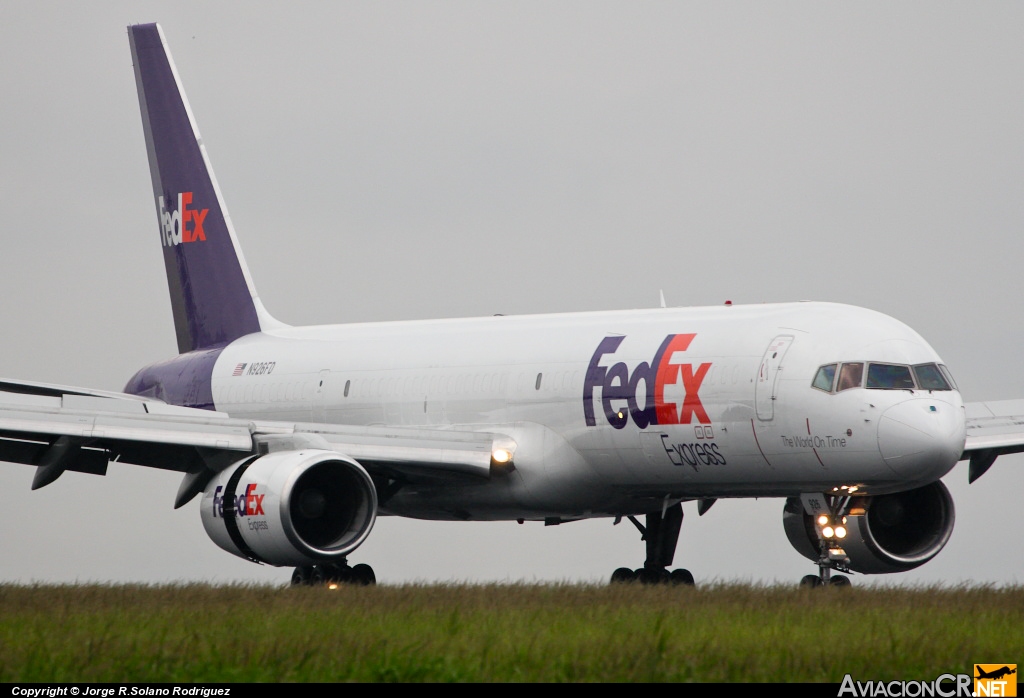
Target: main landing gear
661	535
333	574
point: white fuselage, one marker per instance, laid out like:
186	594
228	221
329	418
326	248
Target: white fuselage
734	412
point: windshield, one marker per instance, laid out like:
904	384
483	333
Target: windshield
882	377
890	377
929	377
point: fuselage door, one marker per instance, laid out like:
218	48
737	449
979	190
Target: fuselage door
766	385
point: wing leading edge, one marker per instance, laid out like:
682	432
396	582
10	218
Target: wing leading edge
993	429
60	428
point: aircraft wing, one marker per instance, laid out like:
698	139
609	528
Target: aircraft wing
60	428
993	429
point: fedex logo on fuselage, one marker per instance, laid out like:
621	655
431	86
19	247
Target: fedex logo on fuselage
182	225
246	504
644	388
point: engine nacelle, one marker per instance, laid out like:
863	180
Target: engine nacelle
291	507
886	533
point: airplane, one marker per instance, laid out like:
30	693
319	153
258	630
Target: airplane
995	673
297	438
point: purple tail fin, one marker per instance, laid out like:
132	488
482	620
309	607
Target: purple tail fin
212	295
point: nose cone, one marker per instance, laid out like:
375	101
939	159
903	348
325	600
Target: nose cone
922	438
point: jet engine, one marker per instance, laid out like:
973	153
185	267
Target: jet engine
885	533
291	507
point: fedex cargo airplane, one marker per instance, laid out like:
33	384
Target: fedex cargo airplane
298	438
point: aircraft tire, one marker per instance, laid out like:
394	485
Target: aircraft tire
839	580
652	576
362	575
300	577
623	575
810	581
318	577
680	577
337	574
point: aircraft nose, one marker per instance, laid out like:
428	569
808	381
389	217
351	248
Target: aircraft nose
922	438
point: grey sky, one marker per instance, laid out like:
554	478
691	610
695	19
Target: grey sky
414	160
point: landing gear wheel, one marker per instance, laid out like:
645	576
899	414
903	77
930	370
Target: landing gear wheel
623	575
318	576
300	577
680	577
362	575
811	581
647	575
336	574
839	580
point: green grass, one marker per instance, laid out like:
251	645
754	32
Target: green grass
198	633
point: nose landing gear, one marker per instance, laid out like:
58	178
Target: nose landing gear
828	516
813	580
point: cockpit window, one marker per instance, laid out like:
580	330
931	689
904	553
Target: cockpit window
883	377
948	375
930	378
850	376
825	376
890	377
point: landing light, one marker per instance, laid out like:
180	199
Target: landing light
840	532
837	554
822	520
332	586
503	451
827	532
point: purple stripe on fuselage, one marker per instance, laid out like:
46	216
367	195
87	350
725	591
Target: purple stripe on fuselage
184	380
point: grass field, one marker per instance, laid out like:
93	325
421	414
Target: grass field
198	633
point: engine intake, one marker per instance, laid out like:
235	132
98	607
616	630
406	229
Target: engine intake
291	508
886	533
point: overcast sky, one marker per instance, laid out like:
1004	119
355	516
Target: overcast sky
414	160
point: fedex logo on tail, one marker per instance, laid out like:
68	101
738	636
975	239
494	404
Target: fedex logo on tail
182	225
640	394
247	504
